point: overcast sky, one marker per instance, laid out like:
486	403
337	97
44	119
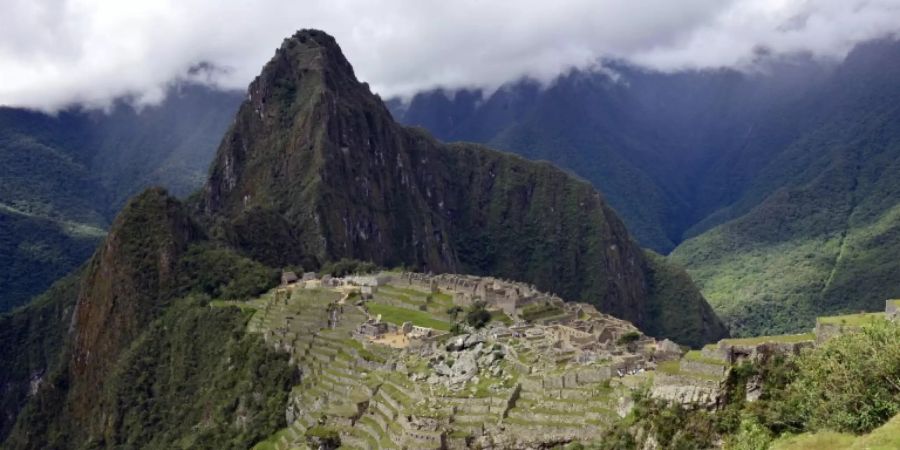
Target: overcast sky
55	53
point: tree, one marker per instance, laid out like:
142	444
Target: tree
478	316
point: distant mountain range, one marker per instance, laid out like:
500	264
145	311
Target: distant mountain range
777	190
64	177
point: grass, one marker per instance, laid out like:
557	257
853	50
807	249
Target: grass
883	438
540	311
781	338
398	315
669	367
271	443
826	440
500	316
674	368
886	437
852	320
696	356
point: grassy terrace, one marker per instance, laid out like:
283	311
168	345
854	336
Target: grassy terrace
398	315
540	311
853	320
782	338
669	367
674	368
500	316
696	356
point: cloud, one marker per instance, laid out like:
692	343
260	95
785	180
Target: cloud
55	53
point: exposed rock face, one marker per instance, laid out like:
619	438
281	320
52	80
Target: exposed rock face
126	285
315	169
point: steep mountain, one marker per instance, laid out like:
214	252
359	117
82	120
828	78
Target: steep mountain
64	177
314	169
143	347
794	162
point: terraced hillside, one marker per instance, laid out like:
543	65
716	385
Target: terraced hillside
527	387
384	393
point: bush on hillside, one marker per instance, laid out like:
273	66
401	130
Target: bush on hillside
852	382
478	316
222	273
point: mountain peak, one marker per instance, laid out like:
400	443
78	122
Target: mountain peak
314	49
309	58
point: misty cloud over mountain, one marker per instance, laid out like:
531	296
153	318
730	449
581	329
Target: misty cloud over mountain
54	53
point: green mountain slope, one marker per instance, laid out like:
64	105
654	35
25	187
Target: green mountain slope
128	352
824	236
63	177
33	339
314	169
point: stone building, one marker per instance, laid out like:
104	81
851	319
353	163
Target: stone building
372	328
288	277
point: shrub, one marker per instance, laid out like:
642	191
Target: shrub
628	338
478	316
454	310
852	382
347	266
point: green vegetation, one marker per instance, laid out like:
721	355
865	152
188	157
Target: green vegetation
819	399
220	272
824	440
852	382
628	338
35	252
477	316
346	266
323	437
669	367
539	311
676	307
193	379
398	315
819	235
852	320
886	437
695	355
34	338
500	316
781	338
